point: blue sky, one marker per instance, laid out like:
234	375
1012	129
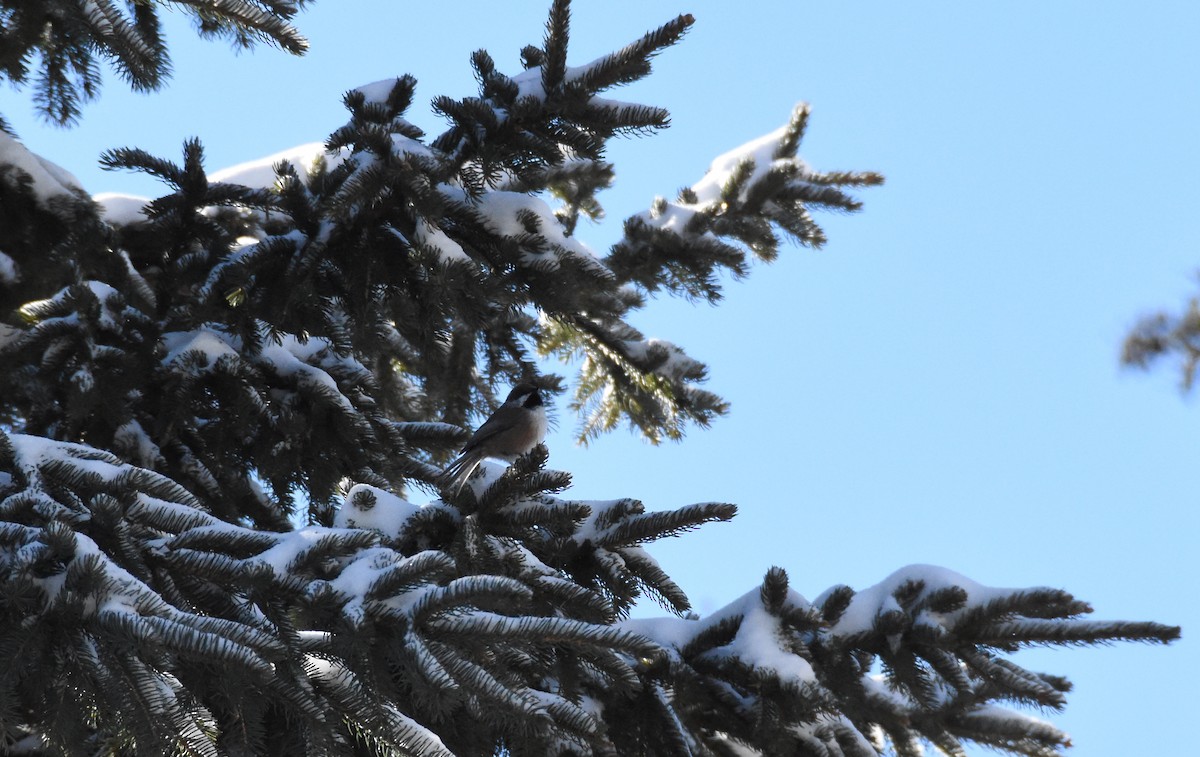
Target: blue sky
940	384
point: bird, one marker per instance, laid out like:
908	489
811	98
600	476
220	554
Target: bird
514	429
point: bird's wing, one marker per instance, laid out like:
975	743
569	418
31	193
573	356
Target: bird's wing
490	428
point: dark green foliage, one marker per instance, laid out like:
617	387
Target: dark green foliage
138	595
214	415
60	43
779	675
164	630
760	191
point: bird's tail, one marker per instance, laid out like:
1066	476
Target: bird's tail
459	472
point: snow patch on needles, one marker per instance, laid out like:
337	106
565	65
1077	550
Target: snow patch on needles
290	359
513	214
8	270
377	91
49	179
761	156
868	604
757	644
402	145
261	174
759	641
663	358
433	238
121	209
208	345
529	82
761	151
373	508
311	363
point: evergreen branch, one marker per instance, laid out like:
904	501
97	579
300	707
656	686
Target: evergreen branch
480	590
245	22
715	634
135	159
1009	731
835	602
201	533
422	568
632	62
68	40
1025	632
1014	681
625	376
571	717
793	134
655	580
555	46
158	631
557	517
485	686
950	670
674	735
746	192
573	599
429	666
375	721
557	631
657	525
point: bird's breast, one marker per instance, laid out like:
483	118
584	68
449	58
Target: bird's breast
526	435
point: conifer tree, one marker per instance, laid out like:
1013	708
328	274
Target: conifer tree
225	412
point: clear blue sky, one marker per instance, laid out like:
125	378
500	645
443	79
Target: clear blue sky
941	383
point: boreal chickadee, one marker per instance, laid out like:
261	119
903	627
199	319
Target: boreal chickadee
514	429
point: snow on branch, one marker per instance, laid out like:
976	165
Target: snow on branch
261	173
313	589
746	195
914	658
47	180
917	658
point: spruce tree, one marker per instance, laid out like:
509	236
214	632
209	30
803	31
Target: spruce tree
225	413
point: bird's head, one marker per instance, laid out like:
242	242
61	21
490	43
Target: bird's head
524	394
